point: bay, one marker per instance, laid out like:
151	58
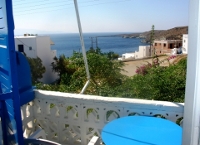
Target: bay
67	43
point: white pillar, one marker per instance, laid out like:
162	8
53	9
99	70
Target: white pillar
192	95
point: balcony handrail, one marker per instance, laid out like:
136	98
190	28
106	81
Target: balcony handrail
75	118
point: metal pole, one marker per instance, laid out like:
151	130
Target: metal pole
96	42
83	47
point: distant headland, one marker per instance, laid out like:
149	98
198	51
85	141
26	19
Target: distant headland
175	33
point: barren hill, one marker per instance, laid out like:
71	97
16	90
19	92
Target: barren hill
170	34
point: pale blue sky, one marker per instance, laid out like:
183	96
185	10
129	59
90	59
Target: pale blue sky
58	16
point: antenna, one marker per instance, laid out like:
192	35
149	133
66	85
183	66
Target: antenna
94	40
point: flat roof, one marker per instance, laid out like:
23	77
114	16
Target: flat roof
25	36
164	41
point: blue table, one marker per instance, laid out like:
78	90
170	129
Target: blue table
141	130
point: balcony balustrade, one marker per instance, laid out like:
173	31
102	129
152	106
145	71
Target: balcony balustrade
72	119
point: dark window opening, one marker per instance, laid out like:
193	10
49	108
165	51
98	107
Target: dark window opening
30	48
164	45
171	45
155	44
21	48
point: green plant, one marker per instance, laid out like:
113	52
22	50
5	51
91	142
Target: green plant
63	66
37	69
152	81
162	83
104	72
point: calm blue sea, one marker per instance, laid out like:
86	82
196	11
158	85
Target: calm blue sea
67	43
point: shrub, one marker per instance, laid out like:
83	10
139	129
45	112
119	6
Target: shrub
161	83
37	69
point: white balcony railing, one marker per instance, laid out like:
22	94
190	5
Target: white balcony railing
73	118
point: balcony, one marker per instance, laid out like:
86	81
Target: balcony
72	119
83	116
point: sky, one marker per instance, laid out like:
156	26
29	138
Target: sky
58	16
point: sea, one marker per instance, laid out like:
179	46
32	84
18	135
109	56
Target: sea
67	43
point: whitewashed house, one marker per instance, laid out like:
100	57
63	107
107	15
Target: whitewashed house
185	44
144	51
128	55
38	46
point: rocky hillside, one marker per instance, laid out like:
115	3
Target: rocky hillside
170	34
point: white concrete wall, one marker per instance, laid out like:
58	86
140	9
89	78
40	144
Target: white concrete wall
40	48
120	58
144	51
27	42
139	54
46	54
185	44
128	55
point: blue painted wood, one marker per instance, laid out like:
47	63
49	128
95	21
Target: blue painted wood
141	130
10	133
13	66
3	22
5	71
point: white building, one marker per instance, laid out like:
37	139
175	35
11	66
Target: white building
38	46
128	55
144	51
185	44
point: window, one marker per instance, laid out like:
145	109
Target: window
155	44
170	45
30	48
21	48
164	44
